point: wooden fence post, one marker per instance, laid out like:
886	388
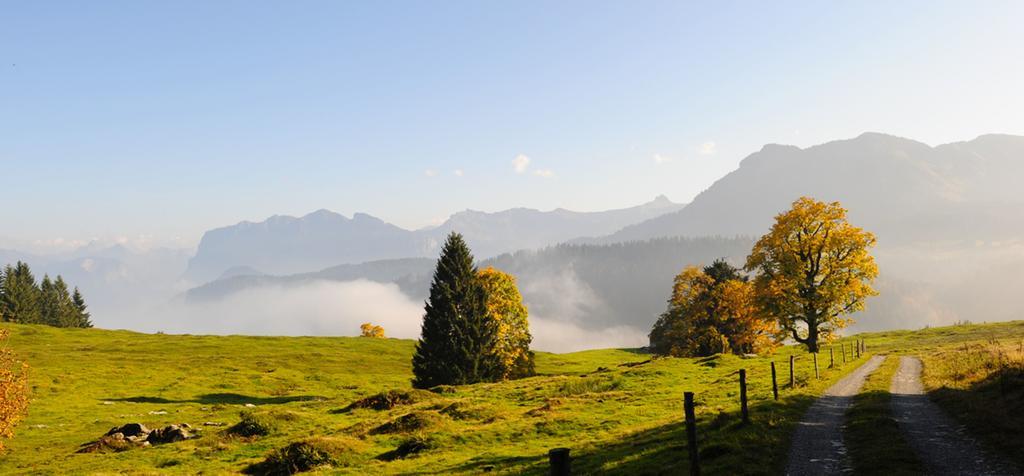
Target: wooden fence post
561	465
691	433
816	366
857	349
831	356
775	385
743	396
792	381
842	347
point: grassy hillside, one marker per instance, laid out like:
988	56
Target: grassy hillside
618	411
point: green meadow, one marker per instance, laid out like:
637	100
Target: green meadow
618	410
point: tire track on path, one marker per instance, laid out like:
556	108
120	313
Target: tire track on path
944	446
817	447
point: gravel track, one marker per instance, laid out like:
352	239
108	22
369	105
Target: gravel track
817	446
942	444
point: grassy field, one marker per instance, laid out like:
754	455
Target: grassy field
619	411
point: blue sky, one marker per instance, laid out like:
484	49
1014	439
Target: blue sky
164	119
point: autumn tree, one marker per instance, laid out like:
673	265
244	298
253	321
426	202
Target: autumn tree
711	311
505	307
370	330
13	389
814	268
457	337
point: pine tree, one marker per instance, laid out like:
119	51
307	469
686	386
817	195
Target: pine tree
67	313
457	337
49	302
81	309
19	297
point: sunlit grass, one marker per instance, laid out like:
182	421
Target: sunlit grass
618	410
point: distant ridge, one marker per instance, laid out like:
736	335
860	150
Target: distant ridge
290	245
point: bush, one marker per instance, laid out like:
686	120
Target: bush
390	399
308	454
414	421
253	424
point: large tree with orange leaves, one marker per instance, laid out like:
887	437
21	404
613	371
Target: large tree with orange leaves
814	268
711	311
13	389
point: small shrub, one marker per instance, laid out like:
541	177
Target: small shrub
389	399
370	330
415	421
253	424
308	454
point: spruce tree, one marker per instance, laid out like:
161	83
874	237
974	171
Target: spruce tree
457	337
81	311
49	302
67	313
19	298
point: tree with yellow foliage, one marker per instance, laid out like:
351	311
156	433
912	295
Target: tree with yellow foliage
813	268
13	389
505	306
712	311
370	330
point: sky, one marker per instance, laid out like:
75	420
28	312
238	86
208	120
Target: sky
155	121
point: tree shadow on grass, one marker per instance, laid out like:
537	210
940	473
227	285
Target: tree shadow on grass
992	409
222	399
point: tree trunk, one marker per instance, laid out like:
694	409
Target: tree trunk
812	337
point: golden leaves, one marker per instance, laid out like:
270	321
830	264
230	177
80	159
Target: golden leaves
814	267
505	306
13	389
369	330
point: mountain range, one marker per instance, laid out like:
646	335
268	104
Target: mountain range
947	220
289	245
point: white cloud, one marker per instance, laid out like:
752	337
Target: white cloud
707	148
557	336
661	159
430	173
544	173
520	163
316	308
458	172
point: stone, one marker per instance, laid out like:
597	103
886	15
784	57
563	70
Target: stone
169	434
130	429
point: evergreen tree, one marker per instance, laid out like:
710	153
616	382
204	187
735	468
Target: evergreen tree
67	313
49	302
81	312
457	338
19	296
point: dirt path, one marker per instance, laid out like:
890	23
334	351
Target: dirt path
817	446
943	446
